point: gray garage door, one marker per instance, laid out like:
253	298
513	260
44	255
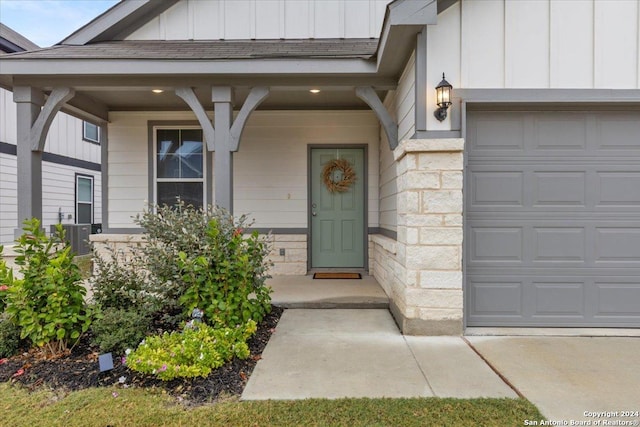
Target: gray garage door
552	231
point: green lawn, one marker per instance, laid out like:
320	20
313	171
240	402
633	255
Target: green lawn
85	263
137	407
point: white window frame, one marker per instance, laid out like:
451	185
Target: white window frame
156	180
84	132
92	202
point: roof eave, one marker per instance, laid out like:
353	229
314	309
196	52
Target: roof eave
119	21
403	20
98	67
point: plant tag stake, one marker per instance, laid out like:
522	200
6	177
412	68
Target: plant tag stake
106	362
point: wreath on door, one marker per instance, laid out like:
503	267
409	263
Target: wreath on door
338	175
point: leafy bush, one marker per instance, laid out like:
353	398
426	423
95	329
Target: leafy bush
10	341
201	259
222	281
47	303
115	330
121	281
195	352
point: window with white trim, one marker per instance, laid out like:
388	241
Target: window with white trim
91	132
84	199
179	167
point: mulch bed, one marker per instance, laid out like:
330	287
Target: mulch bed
80	370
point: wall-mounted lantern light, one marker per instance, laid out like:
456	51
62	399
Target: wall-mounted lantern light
443	98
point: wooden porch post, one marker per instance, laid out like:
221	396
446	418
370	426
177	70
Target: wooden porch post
222	97
29	162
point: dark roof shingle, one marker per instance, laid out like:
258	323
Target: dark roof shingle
210	49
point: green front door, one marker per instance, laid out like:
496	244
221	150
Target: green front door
337	217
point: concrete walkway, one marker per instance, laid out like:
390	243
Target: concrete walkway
566	376
361	353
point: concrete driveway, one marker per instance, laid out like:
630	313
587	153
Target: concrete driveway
571	378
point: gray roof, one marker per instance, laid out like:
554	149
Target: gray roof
210	50
16	41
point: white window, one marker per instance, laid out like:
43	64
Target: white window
90	132
84	199
179	167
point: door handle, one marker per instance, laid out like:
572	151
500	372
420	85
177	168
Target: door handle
313	214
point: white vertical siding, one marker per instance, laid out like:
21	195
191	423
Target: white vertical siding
443	56
483	35
527	44
270	170
571	44
531	44
266	19
616	50
8	123
65	133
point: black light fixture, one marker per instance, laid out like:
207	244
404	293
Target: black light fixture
443	99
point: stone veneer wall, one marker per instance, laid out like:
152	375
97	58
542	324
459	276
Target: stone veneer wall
423	278
294	261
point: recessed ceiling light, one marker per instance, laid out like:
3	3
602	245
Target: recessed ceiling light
157	90
314	91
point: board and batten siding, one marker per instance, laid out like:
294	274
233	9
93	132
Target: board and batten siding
270	169
64	137
266	19
534	44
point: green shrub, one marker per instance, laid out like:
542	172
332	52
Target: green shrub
201	259
115	330
10	341
195	352
120	281
47	303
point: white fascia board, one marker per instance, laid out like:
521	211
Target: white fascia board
403	21
100	67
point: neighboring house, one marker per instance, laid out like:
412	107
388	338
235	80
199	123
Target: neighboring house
521	208
70	162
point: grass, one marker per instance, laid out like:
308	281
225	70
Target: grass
139	407
85	263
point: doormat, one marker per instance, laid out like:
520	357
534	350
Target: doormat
336	275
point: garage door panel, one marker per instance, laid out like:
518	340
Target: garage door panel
496	244
617	300
552	219
510	137
558	298
618	131
554	188
496	297
618	188
497	188
553	133
559	244
618	245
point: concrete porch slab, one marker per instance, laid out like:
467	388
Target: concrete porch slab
307	292
361	353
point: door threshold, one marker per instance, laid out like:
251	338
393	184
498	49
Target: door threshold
362	271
